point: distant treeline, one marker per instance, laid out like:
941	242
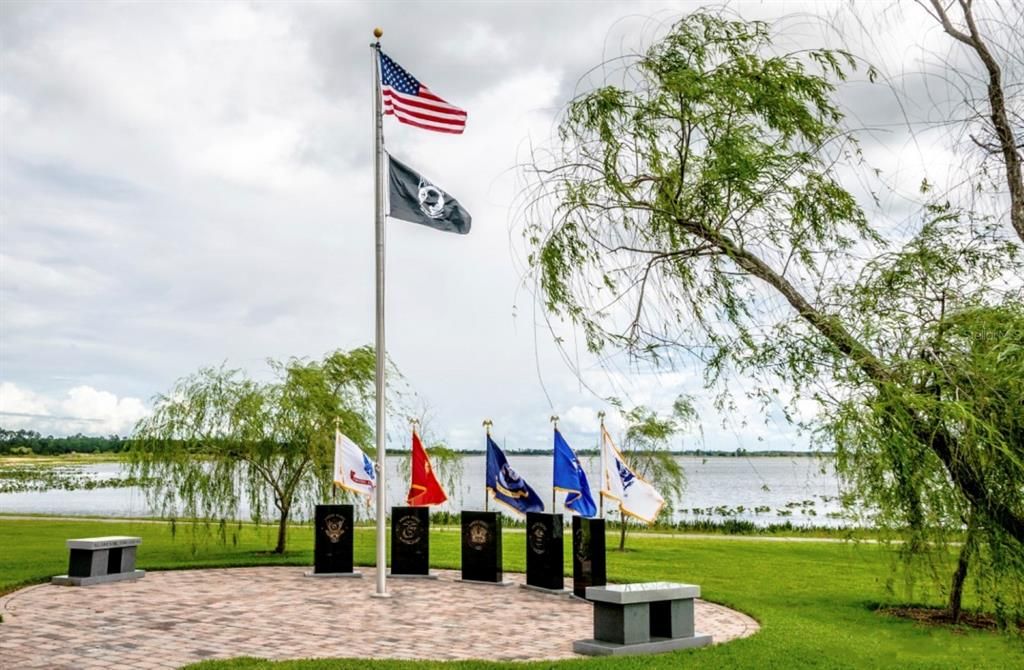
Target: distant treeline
31	442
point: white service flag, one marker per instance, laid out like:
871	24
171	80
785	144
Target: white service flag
353	470
636	497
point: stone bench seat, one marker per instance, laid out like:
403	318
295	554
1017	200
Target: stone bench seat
96	560
645	618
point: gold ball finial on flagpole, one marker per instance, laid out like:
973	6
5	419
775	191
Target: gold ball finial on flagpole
378	33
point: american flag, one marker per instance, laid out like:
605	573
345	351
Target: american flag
413	103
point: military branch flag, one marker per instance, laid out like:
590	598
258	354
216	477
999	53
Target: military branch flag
414	104
353	470
506	485
636	497
424	489
570	477
416	199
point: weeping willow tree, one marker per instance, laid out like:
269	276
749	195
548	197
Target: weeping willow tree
647	448
948	314
695	203
219	438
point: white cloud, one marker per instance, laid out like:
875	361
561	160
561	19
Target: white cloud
191	183
15	400
83	409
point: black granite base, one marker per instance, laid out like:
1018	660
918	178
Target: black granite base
410	541
544	551
588	555
481	547
332	544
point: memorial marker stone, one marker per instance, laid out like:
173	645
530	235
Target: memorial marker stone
333	527
481	547
588	555
410	541
544	552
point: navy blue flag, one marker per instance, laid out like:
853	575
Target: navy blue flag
570	477
506	485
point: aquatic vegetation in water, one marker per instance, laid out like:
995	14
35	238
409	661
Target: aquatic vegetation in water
47	477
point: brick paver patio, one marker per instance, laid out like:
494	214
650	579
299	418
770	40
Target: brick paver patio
169	619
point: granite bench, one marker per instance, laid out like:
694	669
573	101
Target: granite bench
95	560
647	618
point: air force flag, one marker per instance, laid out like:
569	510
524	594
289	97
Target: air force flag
636	497
352	468
415	199
570	477
506	485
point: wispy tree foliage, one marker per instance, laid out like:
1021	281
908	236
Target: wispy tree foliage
219	438
647	448
697	202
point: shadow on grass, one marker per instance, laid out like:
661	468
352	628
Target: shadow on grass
940	617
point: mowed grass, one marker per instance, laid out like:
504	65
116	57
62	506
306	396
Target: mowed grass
814	600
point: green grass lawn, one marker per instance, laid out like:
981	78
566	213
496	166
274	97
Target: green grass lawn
815	601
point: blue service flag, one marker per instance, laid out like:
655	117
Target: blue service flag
570	477
506	484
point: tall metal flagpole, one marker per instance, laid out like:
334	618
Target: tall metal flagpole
378	168
600	489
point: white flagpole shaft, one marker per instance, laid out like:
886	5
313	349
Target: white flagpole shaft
378	167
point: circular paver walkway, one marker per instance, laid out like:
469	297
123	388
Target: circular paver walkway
170	619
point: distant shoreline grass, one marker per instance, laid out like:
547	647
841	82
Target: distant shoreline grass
451	523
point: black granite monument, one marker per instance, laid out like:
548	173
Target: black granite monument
332	545
481	547
544	551
410	541
588	555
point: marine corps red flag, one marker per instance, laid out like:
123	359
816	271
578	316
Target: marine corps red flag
425	489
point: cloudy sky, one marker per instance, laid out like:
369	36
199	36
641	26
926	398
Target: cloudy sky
184	184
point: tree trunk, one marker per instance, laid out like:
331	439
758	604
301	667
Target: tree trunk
282	531
970	483
956	591
622	534
997	107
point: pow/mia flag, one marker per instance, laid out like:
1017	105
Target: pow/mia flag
415	199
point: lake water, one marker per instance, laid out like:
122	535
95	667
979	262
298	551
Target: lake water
803	491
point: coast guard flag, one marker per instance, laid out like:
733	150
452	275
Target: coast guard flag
636	497
570	477
414	104
506	485
424	489
414	198
352	469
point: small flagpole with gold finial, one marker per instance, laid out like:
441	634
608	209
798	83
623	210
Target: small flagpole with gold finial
487	427
554	493
334	475
600	488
